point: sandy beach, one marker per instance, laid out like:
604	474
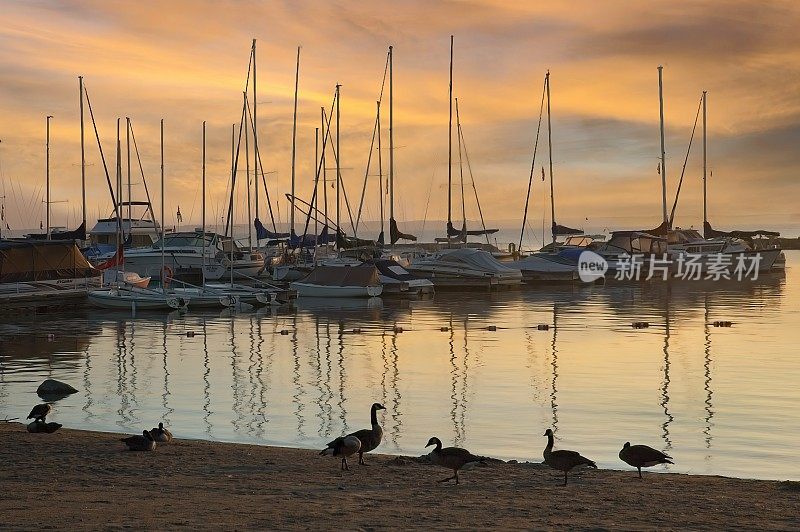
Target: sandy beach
81	479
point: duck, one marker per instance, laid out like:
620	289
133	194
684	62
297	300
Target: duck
563	460
39	412
453	458
640	456
343	446
41	426
369	438
160	434
145	442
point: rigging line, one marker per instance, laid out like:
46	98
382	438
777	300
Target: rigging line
474	188
320	166
103	158
533	169
366	172
383	81
685	160
261	171
234	169
428	202
461	170
141	169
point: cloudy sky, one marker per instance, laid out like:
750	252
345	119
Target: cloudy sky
186	62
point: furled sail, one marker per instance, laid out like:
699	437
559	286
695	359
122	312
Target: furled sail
395	234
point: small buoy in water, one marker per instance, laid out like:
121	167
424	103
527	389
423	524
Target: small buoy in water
444	329
284	332
190	334
543	327
722	324
398	329
640	325
51	337
356	331
491	328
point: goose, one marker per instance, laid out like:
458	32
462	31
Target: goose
369	438
160	434
343	446
563	460
39	412
145	442
41	426
453	458
640	456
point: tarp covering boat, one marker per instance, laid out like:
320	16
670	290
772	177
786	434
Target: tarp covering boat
262	233
709	232
348	242
361	275
42	260
76	234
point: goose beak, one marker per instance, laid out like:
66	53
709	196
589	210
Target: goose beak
430	442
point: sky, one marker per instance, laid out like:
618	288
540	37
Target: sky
186	62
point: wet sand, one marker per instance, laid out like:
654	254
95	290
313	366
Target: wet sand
79	479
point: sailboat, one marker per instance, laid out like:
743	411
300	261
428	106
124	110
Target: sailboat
558	261
461	267
125	296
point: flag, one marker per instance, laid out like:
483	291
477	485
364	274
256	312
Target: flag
116	260
180	218
658	169
41	225
542	173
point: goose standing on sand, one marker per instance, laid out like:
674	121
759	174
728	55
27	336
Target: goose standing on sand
370	438
563	460
343	446
640	456
453	458
39	412
145	442
160	434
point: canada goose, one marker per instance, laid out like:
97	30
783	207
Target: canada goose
41	426
39	412
160	434
452	458
640	456
370	438
145	442
563	460
343	446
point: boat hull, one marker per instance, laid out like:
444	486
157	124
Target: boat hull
317	290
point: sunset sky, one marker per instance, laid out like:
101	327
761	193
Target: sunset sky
186	62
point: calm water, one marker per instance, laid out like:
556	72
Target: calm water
720	400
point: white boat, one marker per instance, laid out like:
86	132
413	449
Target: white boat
733	251
142	231
137	299
465	268
183	252
340	281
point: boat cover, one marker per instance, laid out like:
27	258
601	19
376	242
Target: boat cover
709	232
32	260
361	275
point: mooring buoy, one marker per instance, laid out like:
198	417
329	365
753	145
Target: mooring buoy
543	327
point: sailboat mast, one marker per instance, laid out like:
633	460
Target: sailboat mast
380	159
324	170
118	183
550	158
47	178
83	155
163	288
294	139
391	146
450	147
338	162
128	161
203	214
247	176
316	186
663	153
461	172
705	167
255	135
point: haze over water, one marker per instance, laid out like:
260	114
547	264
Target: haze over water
719	400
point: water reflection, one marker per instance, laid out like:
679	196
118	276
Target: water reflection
589	374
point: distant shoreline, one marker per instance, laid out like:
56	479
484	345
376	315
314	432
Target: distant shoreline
84	479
